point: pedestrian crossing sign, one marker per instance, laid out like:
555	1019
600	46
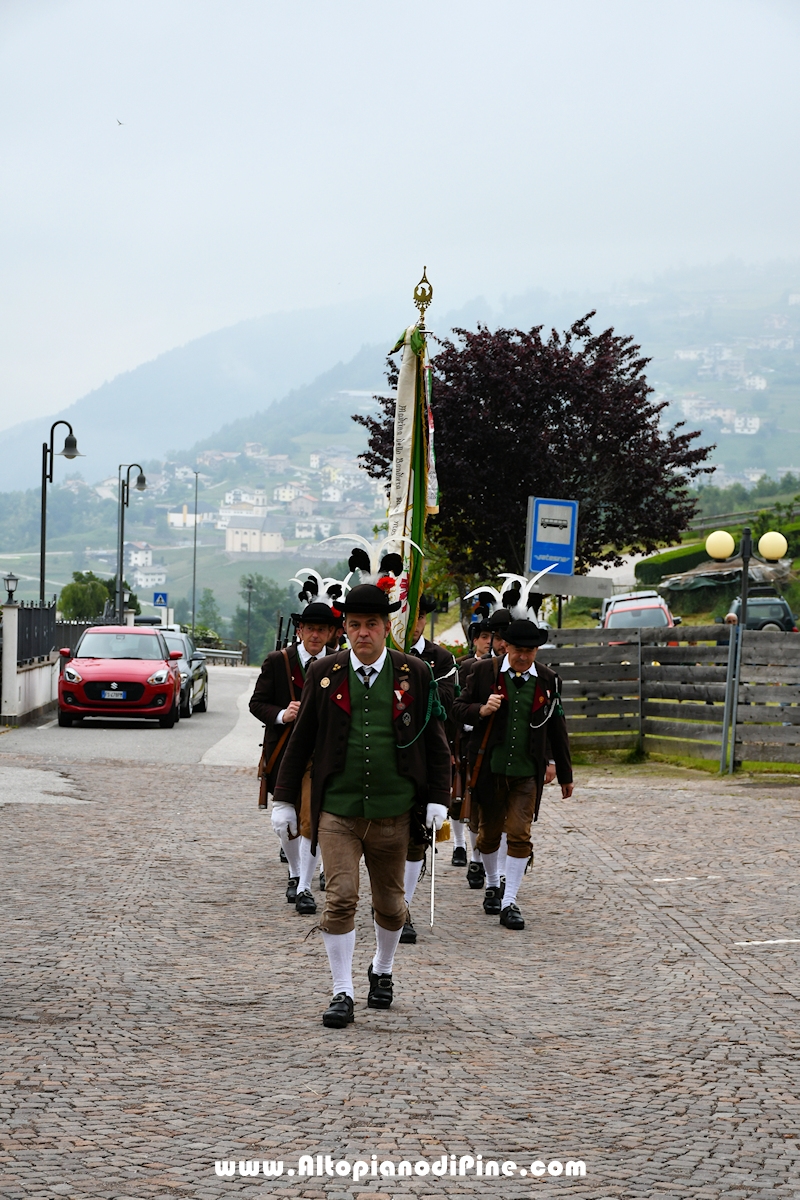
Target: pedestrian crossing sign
160	599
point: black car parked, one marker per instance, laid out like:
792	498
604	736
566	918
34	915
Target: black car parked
766	610
194	673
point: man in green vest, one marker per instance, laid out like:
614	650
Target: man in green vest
380	775
515	709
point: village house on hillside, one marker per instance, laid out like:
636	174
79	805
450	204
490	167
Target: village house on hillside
254	535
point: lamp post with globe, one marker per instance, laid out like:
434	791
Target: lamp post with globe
720	545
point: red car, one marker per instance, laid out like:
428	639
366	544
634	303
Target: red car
122	672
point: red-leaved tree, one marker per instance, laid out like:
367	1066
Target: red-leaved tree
564	417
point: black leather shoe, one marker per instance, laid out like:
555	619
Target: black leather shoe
381	990
322	881
476	875
305	904
283	857
492	900
409	934
459	857
339	1012
291	889
511	917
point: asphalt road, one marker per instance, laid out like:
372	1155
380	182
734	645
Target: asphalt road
226	735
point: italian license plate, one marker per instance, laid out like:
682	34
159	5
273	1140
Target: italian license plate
113	695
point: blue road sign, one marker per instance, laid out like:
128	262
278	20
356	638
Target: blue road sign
160	599
552	531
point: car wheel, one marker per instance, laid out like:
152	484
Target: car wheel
202	705
172	717
64	719
772	627
188	708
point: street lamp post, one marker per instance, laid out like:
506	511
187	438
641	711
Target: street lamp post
249	587
772	547
70	451
124	501
10	580
194	555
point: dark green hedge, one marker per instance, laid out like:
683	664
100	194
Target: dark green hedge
671	562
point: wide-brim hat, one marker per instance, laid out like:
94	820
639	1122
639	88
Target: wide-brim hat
318	613
525	635
368	598
427	604
499	619
476	628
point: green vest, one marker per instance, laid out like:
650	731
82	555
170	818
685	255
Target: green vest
370	786
512	756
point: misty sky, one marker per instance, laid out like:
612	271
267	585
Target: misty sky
277	156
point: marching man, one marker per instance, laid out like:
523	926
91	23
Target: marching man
276	701
515	710
380	773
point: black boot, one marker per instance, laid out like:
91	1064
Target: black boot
305	904
409	934
339	1012
322	881
476	875
459	857
381	990
291	889
492	902
511	917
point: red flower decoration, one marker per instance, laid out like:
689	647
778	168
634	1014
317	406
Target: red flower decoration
386	583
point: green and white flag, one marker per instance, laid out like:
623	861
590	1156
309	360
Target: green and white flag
413	492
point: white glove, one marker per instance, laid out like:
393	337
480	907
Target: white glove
283	815
435	816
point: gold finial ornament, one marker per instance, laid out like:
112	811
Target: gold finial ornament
423	294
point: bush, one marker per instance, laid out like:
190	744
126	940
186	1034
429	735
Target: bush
672	562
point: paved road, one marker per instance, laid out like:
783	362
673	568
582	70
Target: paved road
160	1001
227	734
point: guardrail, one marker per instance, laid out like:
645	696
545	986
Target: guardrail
234	657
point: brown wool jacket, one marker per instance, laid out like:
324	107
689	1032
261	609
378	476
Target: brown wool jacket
548	738
270	696
323	725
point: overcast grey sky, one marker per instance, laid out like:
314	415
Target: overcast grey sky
278	156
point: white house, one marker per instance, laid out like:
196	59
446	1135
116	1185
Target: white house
253	535
138	554
184	518
147	577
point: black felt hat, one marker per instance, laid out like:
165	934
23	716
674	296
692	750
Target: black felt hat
368	598
317	613
476	628
499	620
525	635
427	604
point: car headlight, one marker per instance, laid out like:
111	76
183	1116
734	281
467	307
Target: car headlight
184	676
72	676
160	676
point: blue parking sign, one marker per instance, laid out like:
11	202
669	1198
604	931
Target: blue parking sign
552	533
160	599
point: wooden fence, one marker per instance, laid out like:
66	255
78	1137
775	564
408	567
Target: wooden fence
664	690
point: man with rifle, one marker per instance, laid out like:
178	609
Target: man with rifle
276	701
514	707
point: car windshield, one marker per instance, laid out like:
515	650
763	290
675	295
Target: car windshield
175	643
628	618
119	645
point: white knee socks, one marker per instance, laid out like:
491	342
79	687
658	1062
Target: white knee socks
476	854
491	863
291	848
413	870
308	864
340	947
515	869
459	838
386	942
502	852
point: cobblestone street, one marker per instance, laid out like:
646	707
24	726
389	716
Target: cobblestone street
161	1003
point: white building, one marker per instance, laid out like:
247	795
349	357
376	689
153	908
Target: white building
138	554
147	577
284	493
253	535
184	518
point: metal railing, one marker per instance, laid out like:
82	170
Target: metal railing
36	632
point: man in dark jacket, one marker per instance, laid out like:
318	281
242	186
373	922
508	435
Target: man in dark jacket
275	701
479	636
515	710
444	671
380	760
